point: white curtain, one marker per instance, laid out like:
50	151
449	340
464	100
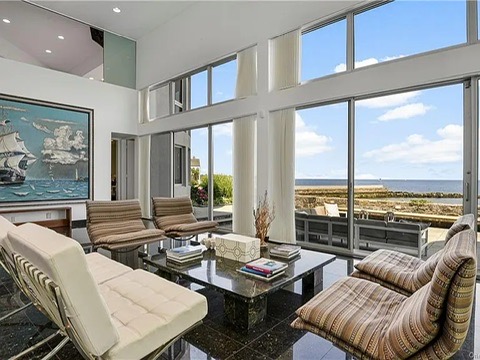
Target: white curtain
244	147
284	73
246	72
281	174
285	60
144	116
144	143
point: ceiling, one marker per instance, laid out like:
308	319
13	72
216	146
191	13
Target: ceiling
136	19
34	29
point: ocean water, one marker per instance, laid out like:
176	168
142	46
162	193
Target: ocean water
414	186
44	190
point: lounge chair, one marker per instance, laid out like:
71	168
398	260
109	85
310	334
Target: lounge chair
133	315
401	272
114	225
175	217
372	322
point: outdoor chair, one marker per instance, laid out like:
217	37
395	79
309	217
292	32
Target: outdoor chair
404	273
114	225
372	322
175	217
131	314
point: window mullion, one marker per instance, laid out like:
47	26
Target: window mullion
350	42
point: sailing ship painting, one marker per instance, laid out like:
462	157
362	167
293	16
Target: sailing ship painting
45	152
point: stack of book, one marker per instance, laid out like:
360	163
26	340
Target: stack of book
185	254
285	251
264	269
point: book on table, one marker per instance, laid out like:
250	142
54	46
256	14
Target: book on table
185	251
285	251
194	260
259	275
266	266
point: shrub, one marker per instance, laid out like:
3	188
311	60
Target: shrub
222	188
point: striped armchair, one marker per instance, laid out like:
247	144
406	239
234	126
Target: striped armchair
114	225
373	322
175	217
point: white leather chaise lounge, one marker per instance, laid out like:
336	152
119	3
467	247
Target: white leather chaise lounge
106	309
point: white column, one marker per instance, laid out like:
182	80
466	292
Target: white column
243	175
144	174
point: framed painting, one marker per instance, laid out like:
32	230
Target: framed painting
45	152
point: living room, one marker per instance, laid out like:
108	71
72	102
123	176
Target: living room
191	38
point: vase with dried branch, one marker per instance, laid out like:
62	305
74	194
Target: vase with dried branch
264	216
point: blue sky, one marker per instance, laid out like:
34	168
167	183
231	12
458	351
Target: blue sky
414	135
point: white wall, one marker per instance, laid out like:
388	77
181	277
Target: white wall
210	30
115	110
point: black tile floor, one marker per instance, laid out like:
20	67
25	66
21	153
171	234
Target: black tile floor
215	338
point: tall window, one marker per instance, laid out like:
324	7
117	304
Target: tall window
179	95
223	175
224	79
199	172
321	146
401	28
409	159
324	50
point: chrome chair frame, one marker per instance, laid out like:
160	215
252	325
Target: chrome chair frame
47	297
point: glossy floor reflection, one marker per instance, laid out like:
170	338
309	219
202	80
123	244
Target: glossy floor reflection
215	338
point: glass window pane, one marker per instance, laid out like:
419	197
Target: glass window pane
199	172
198	89
324	50
159	102
223	175
409	162
224	79
401	28
321	148
178	164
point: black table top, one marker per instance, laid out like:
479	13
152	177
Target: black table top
221	274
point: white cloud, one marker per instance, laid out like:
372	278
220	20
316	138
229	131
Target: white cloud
365	177
416	149
58	121
389	100
405	112
223	129
307	141
41	128
65	148
366	62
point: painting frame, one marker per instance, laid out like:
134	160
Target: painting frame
57	143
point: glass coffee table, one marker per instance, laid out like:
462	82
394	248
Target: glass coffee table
245	298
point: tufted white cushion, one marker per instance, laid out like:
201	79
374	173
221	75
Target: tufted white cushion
148	311
62	259
103	268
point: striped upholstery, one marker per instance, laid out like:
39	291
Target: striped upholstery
175	217
118	224
373	322
464	222
404	273
397	271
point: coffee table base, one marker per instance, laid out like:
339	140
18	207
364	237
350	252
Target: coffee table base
245	314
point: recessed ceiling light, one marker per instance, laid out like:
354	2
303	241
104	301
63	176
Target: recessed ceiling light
116	10
90	78
6	21
48	51
61	37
